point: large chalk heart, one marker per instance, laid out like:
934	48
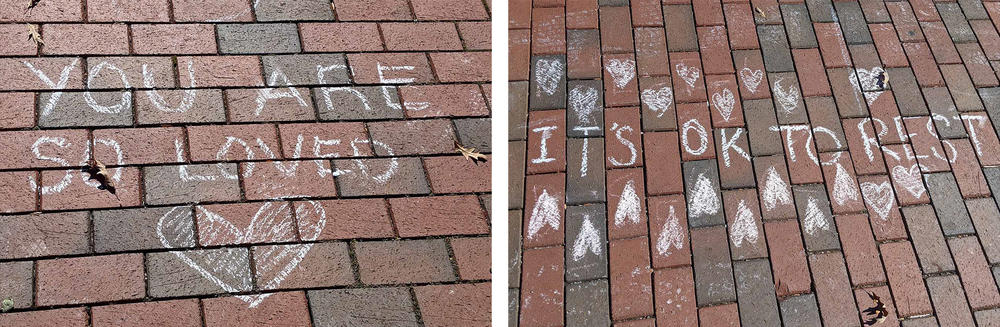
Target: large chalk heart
548	73
879	196
227	269
909	179
622	71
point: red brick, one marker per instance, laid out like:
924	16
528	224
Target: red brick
245	223
714	48
667	221
811	73
85	39
546	141
222	71
347	219
631	292
720	315
788	257
924	67
285	179
940	43
323	265
583	54
977	280
440	215
11	36
519	55
337	37
929	151
472	256
581	14
456	174
978	67
449	10
802	167
324	140
278	308
540	192
173	39
81	193
886	120
968	173
620	84
862	141
444	100
689	83
624	186
983	137
772	13
665	176
225	10
90	279
721	90
646	13
20	77
182	313
454	305
888	45
741	27
650	52
462	66
779	207
616	34
39	235
904	21
906	176
132	11
905	279
833	290
51	11
988	38
475	34
625	150
837	167
355	10
860	250
886	221
548	32
708	13
675	292
208	143
865	302
542	287
16	185
520	14
70	317
138	146
752	75
420	36
831	44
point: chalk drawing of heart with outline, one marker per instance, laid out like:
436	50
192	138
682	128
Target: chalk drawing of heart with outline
622	71
548	73
658	101
909	179
751	78
867	78
688	74
268	225
879	197
724	102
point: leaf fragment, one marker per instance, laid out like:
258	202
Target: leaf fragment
470	153
760	12
98	171
33	34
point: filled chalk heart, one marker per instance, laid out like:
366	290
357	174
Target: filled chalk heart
548	73
909	179
690	75
658	100
229	268
622	71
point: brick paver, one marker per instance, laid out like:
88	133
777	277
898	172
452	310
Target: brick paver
276	163
781	159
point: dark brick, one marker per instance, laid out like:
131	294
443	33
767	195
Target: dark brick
960	85
18	285
763	140
789	105
800	310
930	246
367	177
406	261
797	25
906	92
704	197
514	246
958	26
548	82
50	234
680	27
73	109
305	69
585	185
756	290
987	229
583	262
948	203
353	103
774	45
140	229
369	306
852	21
833	289
587	303
586	109
949	302
258	38
712	265
735	169
191	183
945	115
821	11
169	274
817	222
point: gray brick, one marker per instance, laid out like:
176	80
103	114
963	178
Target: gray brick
301	69
702	180
907	92
681	35
931	249
73	109
815	218
168	275
948	204
258	38
515	164
657	120
207	107
358	103
413	261
513	305
585	116
587	188
789	85
939	102
364	178
921	322
17	283
755	290
587	264
821	11
740	172
973	9
955	21
961	88
587	304
774	46
288	10
138	229
852	22
474	132
514	248
713	270
548	82
949	299
800	310
108	77
850	100
517	99
613	3
833	288
823	112
797	25
391	306
987	317
992	175
991	100
763	141
165	186
983	212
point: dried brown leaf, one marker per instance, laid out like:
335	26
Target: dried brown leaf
470	153
34	35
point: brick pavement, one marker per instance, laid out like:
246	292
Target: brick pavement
276	162
718	163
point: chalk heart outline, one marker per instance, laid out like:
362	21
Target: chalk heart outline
265	223
909	179
751	78
867	77
622	71
724	101
689	74
879	196
658	101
